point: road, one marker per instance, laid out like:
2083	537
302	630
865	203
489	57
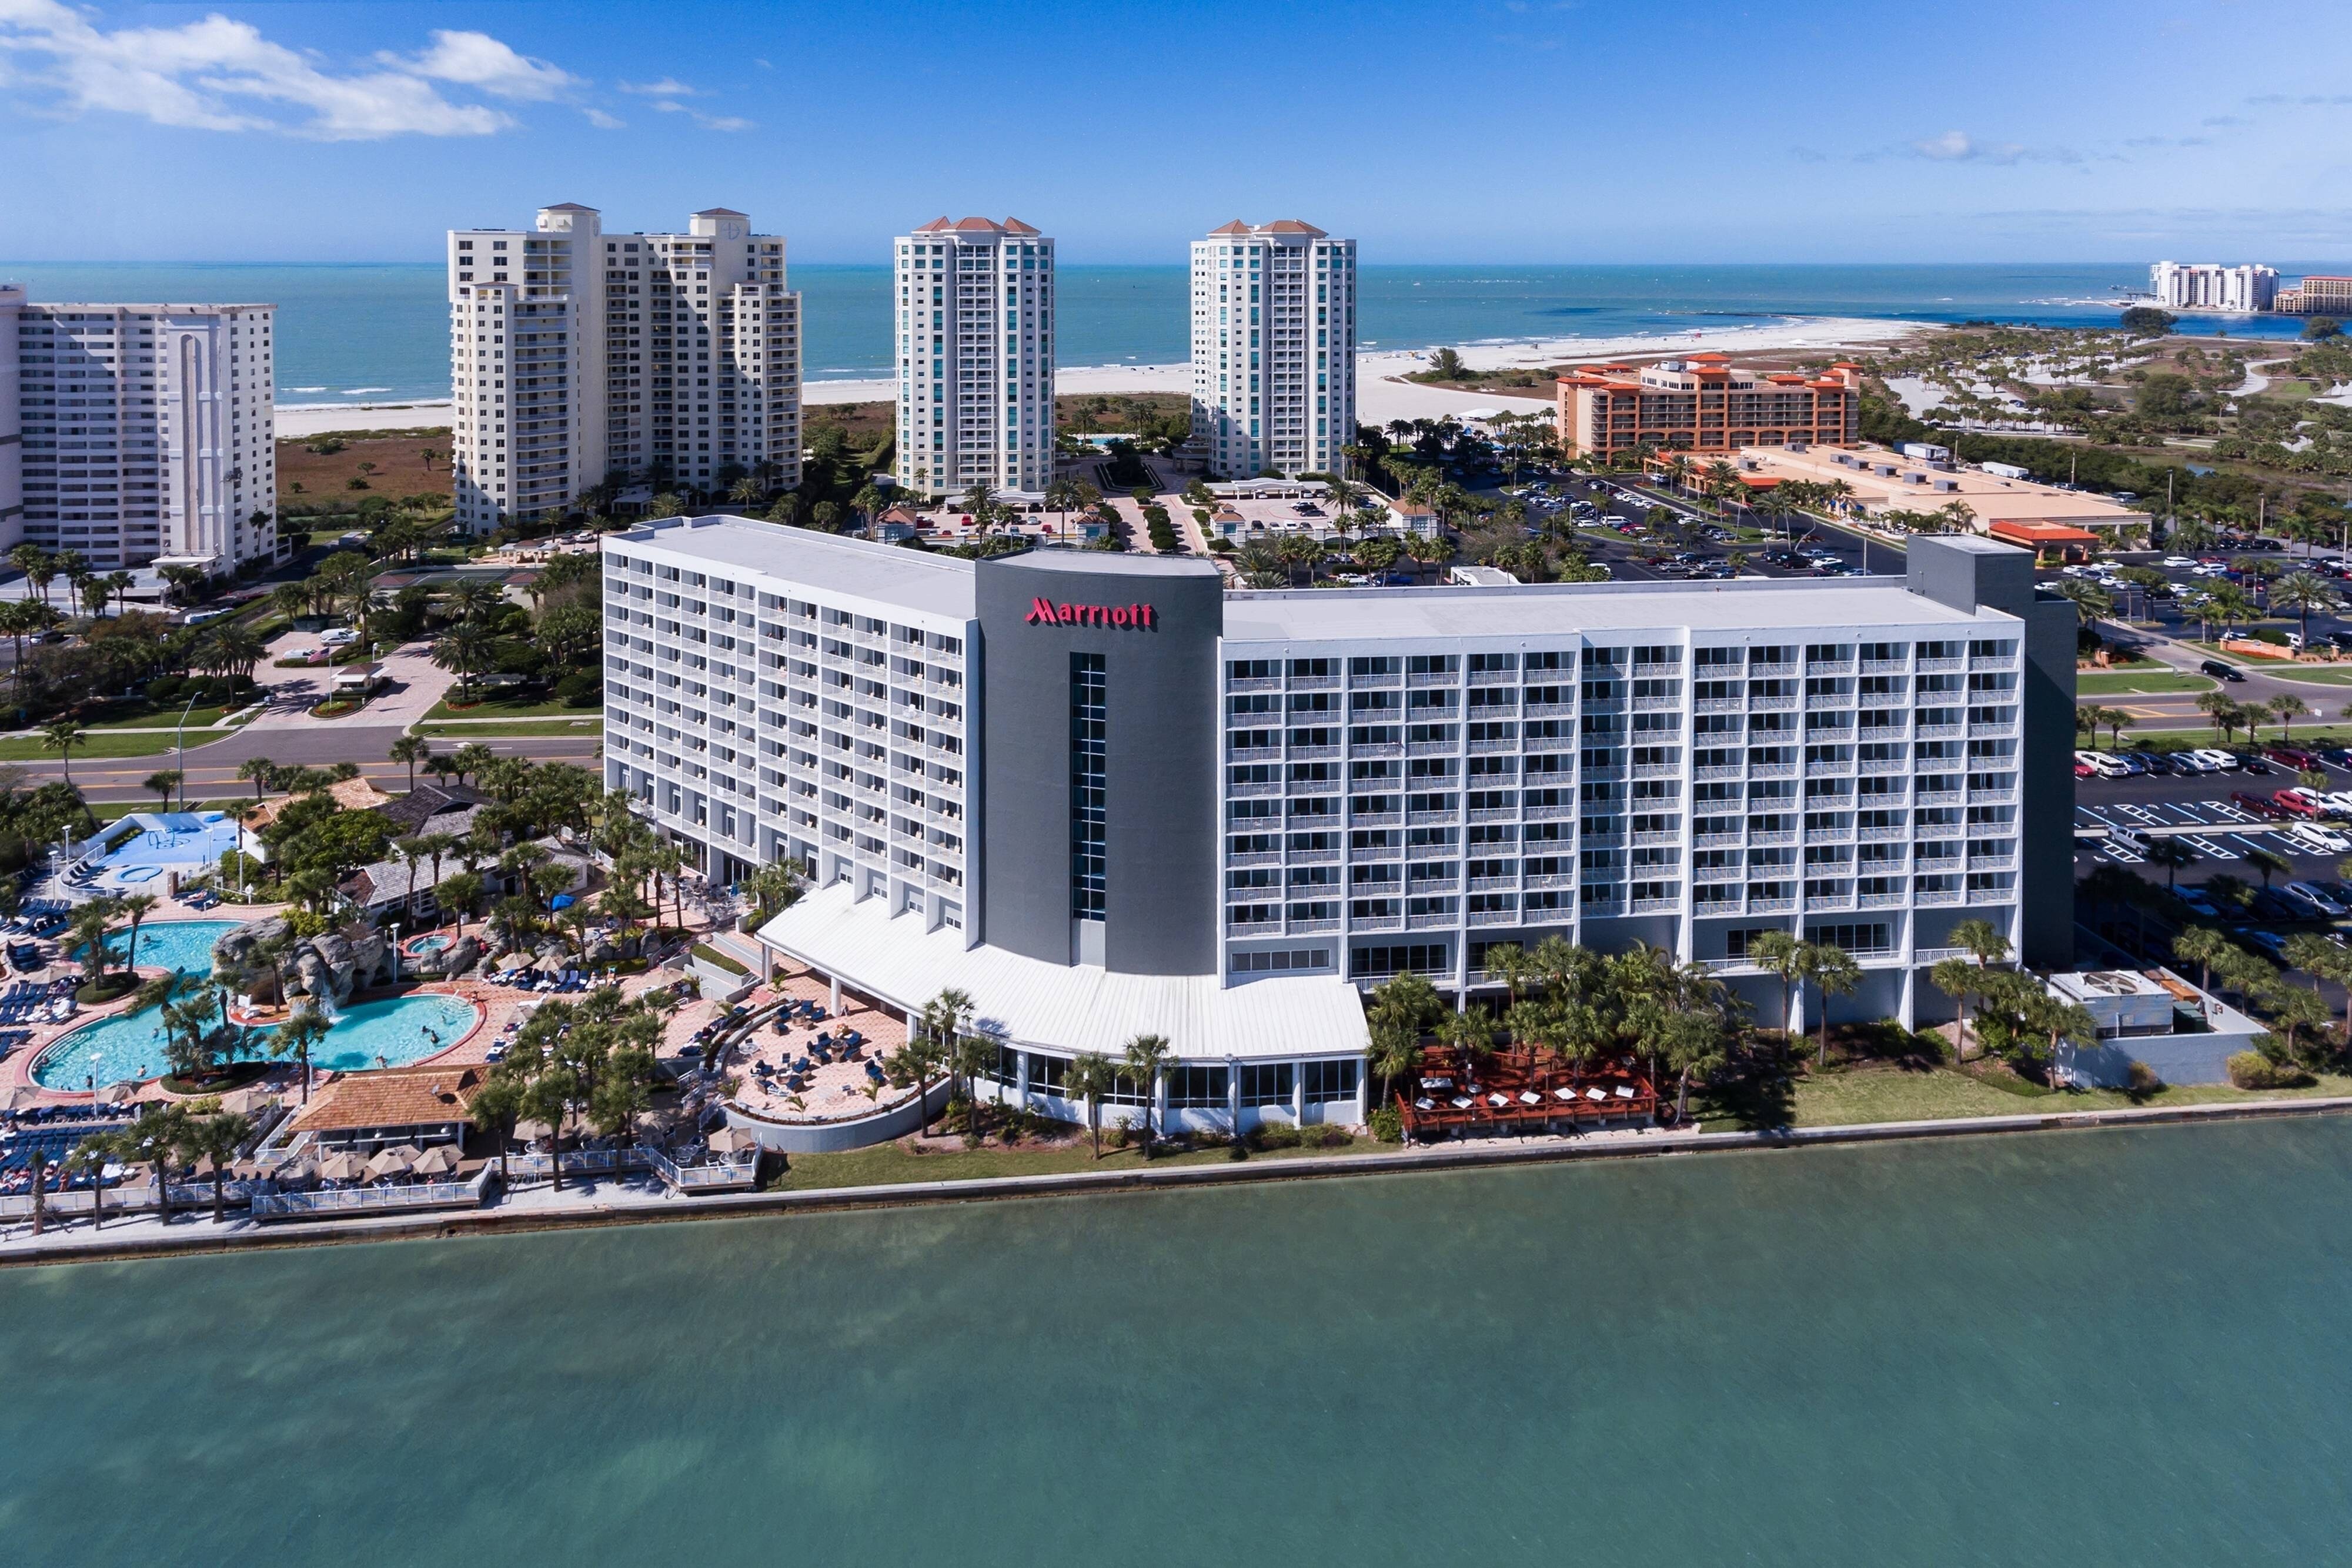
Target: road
212	770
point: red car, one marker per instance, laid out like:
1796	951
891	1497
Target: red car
2295	805
2260	805
2293	757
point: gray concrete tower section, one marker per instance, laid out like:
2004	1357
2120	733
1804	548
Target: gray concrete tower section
1155	624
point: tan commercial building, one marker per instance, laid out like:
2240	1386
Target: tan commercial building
1923	478
1705	403
2316	296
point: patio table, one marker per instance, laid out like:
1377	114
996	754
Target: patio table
1594	1094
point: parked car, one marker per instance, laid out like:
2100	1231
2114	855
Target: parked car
2297	802
2315	800
2310	839
2223	761
2293	757
2083	769
2222	671
2270	942
2262	806
2187	763
2193	900
2336	757
2312	899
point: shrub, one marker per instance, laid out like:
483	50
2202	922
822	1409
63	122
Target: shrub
1386	1124
2253	1070
164	689
580	688
2145	1080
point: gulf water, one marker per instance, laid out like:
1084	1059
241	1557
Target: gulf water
380	332
2066	1350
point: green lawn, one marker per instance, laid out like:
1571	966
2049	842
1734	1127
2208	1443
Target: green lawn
592	725
2316	675
2291	391
886	1164
496	706
2105	682
164	719
99	745
1849	1096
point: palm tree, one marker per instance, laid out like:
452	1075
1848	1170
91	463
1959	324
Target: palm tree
297	1037
162	783
1780	954
2090	719
458	895
2302	594
471	759
2203	946
261	773
496	1108
61	737
2286	707
90	924
91	1157
1834	973
411	749
1089	1076
133	907
1146	1059
465	648
215	1135
154	1140
2091	601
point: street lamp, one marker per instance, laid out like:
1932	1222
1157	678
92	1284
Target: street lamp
93	1084
395	952
180	752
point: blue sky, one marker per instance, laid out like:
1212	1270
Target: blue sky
1516	130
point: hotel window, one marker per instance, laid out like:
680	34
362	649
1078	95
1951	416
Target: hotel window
1088	719
1267	1084
1325	1081
1197	1088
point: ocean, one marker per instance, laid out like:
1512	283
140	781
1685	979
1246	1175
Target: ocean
2048	1351
379	333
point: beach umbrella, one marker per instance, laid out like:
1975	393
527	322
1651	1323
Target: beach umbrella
732	1140
529	1131
242	1101
439	1160
116	1094
19	1097
342	1166
393	1161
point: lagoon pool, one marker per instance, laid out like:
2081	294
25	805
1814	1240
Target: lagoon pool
391	1032
183	944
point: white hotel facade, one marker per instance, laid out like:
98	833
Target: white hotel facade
975	354
578	356
1274	349
138	435
1106	798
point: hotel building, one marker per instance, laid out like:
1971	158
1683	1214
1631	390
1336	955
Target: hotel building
1704	403
138	435
2205	286
1106	798
2320	294
578	356
1274	349
972	411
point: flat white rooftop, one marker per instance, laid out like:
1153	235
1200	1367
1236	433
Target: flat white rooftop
1068	1008
1842	606
889	574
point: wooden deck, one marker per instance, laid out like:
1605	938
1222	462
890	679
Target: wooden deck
1524	1090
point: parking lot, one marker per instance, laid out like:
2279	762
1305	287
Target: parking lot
1614	533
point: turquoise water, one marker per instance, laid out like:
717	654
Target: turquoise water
2067	1351
380	331
183	944
130	1046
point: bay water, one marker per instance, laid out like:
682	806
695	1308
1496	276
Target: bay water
379	333
2066	1350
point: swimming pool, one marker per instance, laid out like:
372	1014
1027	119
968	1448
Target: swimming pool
391	1033
183	944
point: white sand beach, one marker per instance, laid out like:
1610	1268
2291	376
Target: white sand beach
1381	394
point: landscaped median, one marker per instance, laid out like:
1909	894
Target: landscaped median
590	725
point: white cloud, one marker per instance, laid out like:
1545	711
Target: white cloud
217	74
668	86
604	121
724	123
476	59
1960	147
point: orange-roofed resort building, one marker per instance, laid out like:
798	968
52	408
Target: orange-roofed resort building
1705	403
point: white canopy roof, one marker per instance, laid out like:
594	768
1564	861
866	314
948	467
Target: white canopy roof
1068	1008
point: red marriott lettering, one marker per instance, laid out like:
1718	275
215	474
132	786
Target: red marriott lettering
1045	612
